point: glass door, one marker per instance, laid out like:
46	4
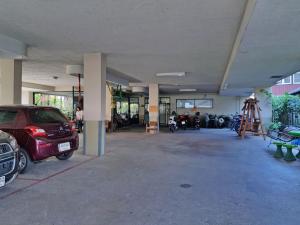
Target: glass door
164	110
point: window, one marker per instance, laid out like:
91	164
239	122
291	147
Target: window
185	103
204	103
46	116
164	100
64	103
194	103
287	80
7	116
122	107
134	108
146	103
296	78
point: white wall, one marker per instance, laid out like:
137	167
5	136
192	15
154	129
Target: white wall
27	97
265	103
221	104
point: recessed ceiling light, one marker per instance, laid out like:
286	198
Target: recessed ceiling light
176	74
187	89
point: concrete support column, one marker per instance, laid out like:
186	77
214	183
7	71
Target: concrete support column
141	109
27	97
265	103
154	107
108	104
10	81
94	103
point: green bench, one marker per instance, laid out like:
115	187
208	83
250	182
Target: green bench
289	156
279	153
296	134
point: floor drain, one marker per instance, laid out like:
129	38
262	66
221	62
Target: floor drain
185	185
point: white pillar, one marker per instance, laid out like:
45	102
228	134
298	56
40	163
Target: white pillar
10	81
154	107
94	103
108	104
141	109
265	103
27	97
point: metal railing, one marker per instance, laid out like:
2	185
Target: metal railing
294	119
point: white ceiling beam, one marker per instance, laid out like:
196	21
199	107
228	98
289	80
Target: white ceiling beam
37	87
12	48
138	84
248	12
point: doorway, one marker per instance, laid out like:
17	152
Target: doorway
164	110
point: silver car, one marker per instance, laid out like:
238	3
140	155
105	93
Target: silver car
9	158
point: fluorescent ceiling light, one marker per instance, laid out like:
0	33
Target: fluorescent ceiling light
187	89
176	74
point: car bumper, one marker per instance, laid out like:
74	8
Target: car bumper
12	164
45	148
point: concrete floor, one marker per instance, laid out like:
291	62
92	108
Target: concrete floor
207	177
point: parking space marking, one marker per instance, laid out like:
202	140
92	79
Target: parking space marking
29	179
38	181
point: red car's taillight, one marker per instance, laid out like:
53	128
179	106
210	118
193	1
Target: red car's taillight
72	125
36	131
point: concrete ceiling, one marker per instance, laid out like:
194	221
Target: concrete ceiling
270	47
141	38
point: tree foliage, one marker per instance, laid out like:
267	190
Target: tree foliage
283	106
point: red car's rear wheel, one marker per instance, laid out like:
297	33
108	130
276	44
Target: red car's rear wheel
65	156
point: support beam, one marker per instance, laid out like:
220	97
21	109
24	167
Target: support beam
37	87
10	81
12	48
250	6
154	107
94	103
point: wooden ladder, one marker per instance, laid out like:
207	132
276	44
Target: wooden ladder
251	119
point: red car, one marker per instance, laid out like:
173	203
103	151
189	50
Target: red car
40	131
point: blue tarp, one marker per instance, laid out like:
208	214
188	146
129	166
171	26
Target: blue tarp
296	142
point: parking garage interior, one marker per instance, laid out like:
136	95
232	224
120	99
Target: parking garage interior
129	65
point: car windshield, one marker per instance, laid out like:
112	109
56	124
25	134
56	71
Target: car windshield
46	116
7	116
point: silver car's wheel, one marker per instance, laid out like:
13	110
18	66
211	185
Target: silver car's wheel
24	161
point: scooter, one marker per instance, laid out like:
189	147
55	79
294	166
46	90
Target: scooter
172	123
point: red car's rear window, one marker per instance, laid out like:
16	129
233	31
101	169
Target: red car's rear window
7	116
46	115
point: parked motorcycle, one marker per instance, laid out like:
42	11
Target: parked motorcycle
186	121
223	121
213	121
172	123
183	121
197	121
236	122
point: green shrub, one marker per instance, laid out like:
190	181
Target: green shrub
284	105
